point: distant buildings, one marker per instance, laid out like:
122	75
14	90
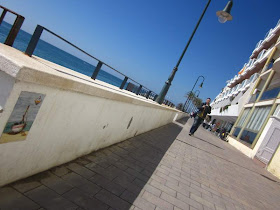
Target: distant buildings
249	105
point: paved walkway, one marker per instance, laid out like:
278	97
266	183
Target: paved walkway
162	169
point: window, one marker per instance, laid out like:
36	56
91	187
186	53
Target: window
241	122
236	131
254	97
277	111
255	123
243	118
270	64
270	94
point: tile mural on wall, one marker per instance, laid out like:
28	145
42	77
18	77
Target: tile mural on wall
22	117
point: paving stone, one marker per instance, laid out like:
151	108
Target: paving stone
189	201
152	190
128	185
11	199
180	179
202	201
139	182
81	170
83	200
189	189
215	200
90	188
60	171
137	174
112	200
158	179
26	185
49	199
137	201
112	187
57	184
167	178
157	201
163	188
166	172
75	179
178	189
82	161
174	201
201	190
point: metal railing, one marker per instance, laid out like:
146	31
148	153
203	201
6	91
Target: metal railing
268	34
258	44
15	27
137	89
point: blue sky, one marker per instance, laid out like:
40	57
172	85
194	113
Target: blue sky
144	39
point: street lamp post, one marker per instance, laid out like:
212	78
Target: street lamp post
223	16
194	87
197	94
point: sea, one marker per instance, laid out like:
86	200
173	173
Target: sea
56	55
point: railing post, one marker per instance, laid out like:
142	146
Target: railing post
96	71
155	97
34	40
124	82
2	16
138	90
14	30
148	94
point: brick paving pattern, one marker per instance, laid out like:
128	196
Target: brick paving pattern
161	169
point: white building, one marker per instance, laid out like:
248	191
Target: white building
249	104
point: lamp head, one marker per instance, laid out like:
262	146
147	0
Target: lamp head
201	85
224	15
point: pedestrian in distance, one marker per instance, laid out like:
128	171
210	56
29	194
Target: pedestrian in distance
203	110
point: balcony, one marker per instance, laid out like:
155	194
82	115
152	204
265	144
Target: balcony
270	38
251	65
245	85
237	89
263	55
276	64
226	111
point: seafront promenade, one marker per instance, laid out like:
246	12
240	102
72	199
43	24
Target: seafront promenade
161	169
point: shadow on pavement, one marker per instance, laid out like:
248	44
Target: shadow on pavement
111	177
183	121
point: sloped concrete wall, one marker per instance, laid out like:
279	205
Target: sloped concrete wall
76	117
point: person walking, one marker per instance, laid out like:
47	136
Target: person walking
203	110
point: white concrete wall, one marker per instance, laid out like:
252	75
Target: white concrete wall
241	147
274	165
248	151
263	136
6	86
75	118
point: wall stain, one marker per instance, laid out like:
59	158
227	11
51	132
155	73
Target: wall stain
135	133
129	123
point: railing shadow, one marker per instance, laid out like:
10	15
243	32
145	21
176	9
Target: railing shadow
183	120
128	166
112	177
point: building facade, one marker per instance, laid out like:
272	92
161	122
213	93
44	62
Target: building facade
249	105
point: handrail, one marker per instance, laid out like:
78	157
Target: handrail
36	37
15	27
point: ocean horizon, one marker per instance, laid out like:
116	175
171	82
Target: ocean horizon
56	55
